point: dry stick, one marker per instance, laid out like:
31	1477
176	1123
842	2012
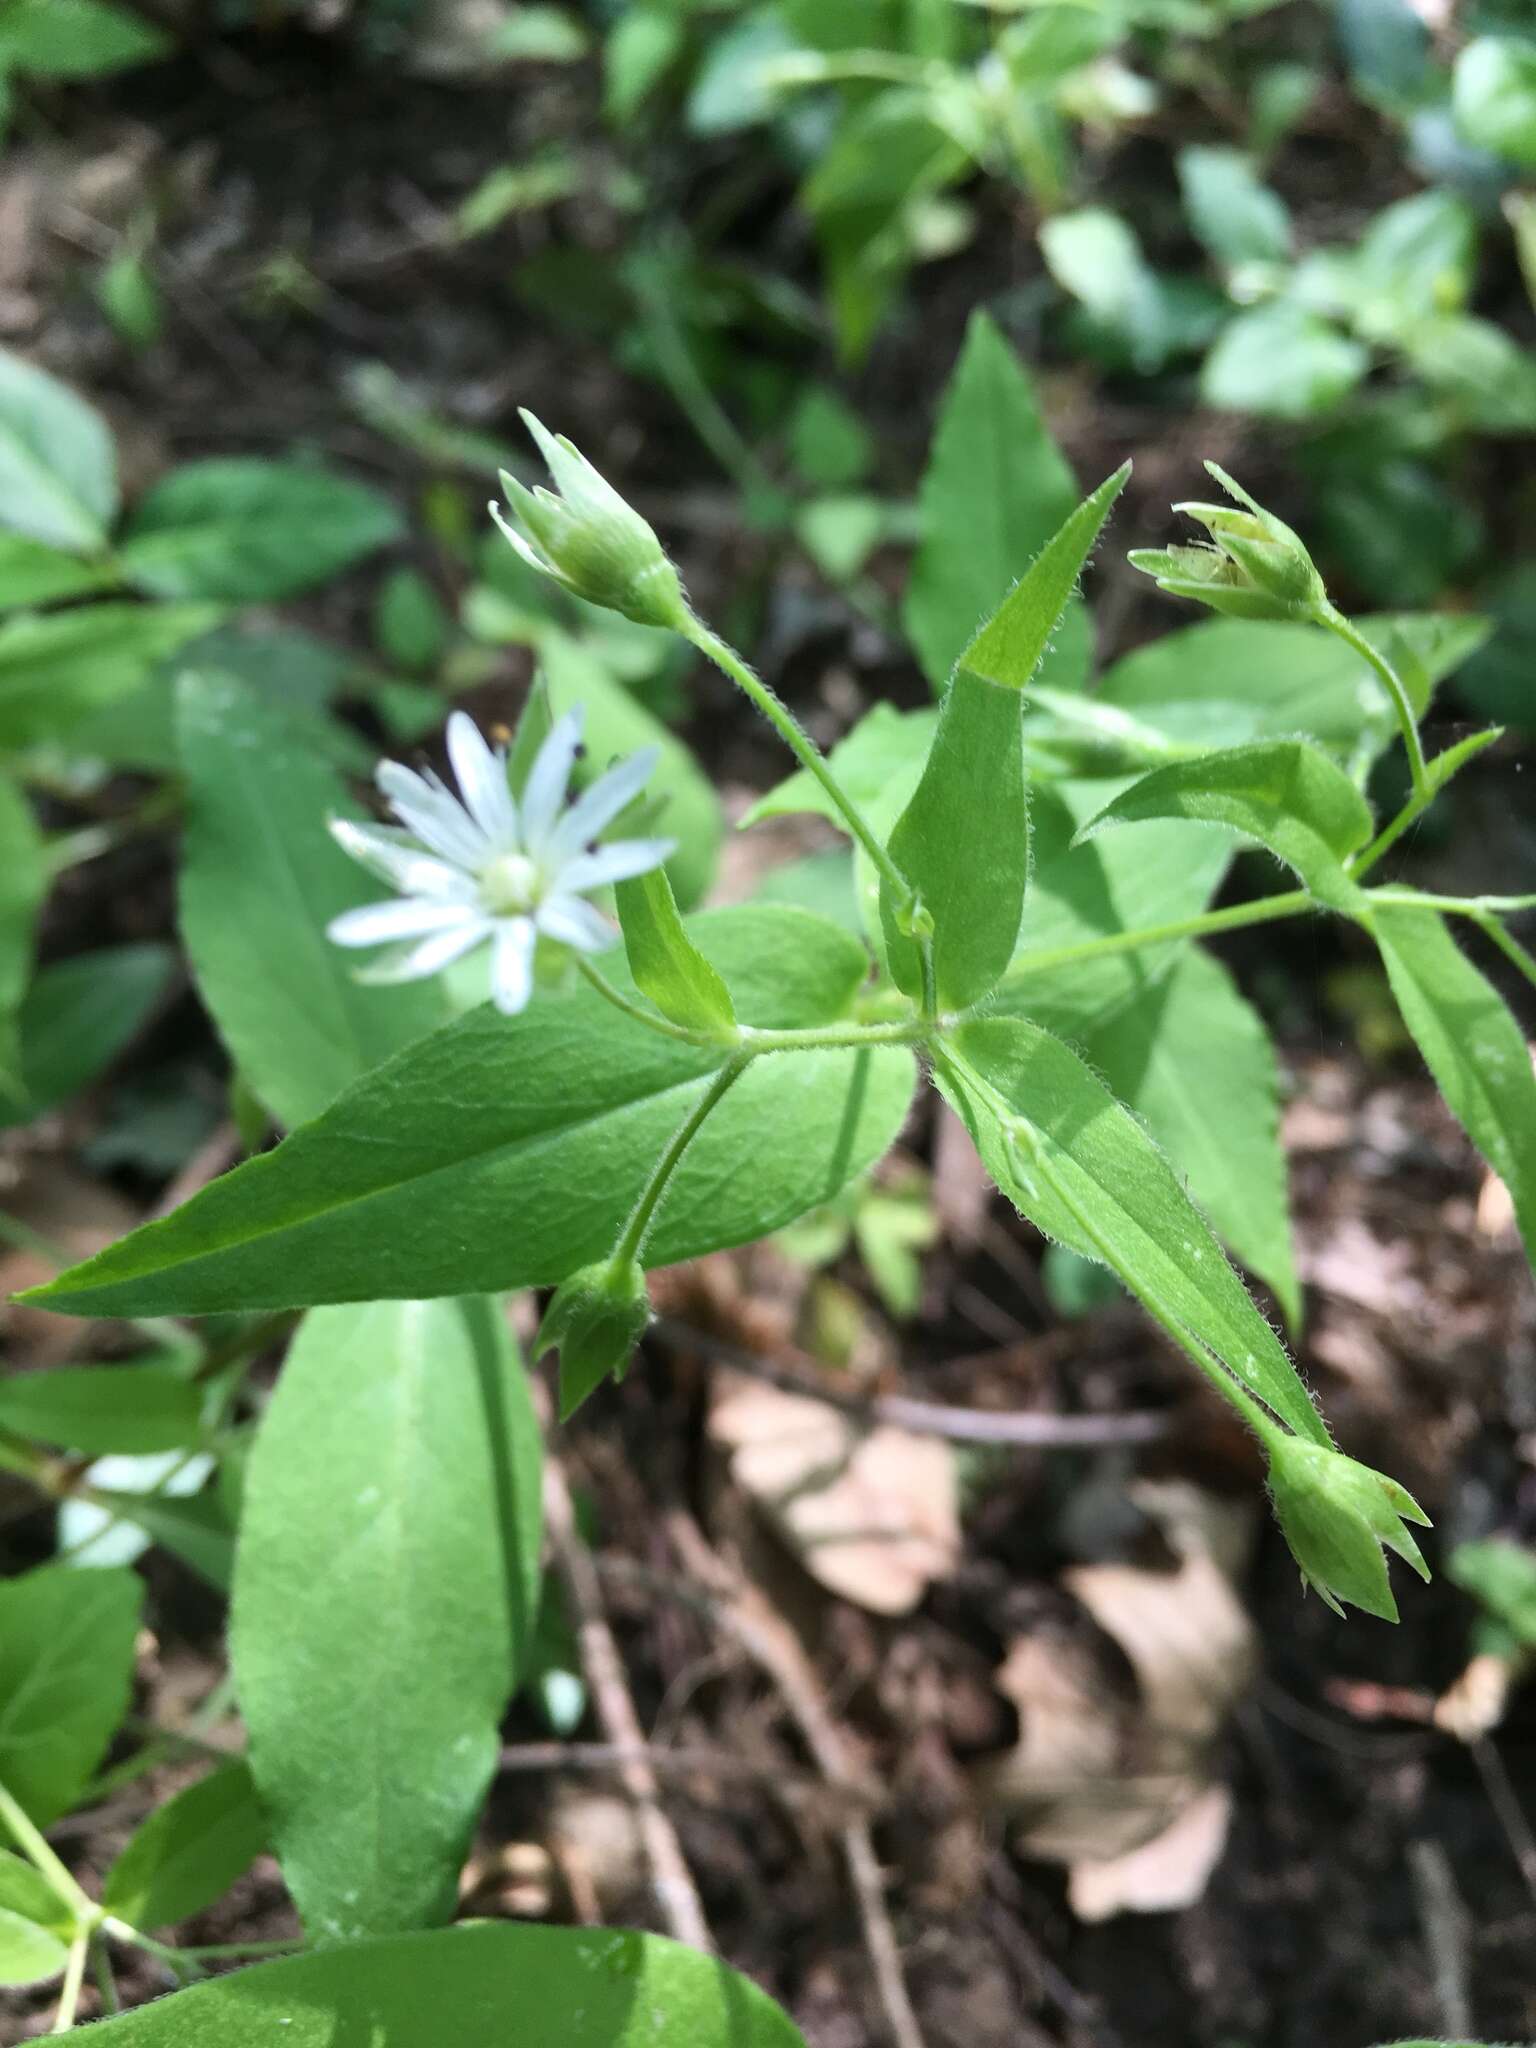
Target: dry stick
669	1761
773	1646
675	1890
1506	1805
1446	1924
933	1418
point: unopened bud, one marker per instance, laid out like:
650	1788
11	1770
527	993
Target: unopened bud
594	1321
584	536
1336	1516
1255	567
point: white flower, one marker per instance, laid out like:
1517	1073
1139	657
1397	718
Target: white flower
483	865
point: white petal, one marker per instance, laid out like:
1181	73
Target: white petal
512	965
618	861
404	917
575	923
544	791
417	963
403	867
482	779
433	813
602	803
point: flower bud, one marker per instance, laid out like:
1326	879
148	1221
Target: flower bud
584	536
1336	1516
595	1320
1255	568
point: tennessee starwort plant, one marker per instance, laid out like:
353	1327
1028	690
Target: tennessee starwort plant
1030	865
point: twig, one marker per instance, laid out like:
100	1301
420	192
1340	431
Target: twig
1501	1796
675	1890
933	1418
1444	1919
774	1647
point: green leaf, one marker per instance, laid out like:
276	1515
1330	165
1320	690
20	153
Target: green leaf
1137	878
26	1891
996	488
261	879
195	1528
409	622
1068	1155
1283	793
1236	216
75	1019
1281	362
476	1987
59	667
58	471
526	1176
247	531
963	840
23	885
31	573
1485	373
1097	257
1194	1061
615	723
667	966
29	1954
1229	680
75	38
386	1593
189	1852
1471	1044
516	1147
102	1409
1493	91
66	1659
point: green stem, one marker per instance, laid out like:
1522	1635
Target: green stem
1294	903
28	1838
802	746
1453	906
74	1977
632	1237
106	1982
182	1962
1345	630
749	1041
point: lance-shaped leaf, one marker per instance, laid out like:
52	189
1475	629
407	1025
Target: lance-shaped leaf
1194	1061
1471	1044
1069	1156
507	1151
996	487
58	473
385	1597
667	966
189	1852
1284	793
963	840
488	1986
66	1660
103	1410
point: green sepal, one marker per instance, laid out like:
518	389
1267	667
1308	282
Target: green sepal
1337	1516
667	966
595	1320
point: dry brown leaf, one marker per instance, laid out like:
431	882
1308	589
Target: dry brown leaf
1163	1875
1121	1789
872	1513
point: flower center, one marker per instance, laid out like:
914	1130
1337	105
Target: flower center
511	885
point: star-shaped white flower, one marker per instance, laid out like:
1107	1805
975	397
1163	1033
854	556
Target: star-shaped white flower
484	865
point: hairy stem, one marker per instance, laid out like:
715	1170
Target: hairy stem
802	746
749	1040
632	1237
1294	903
28	1838
1345	630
